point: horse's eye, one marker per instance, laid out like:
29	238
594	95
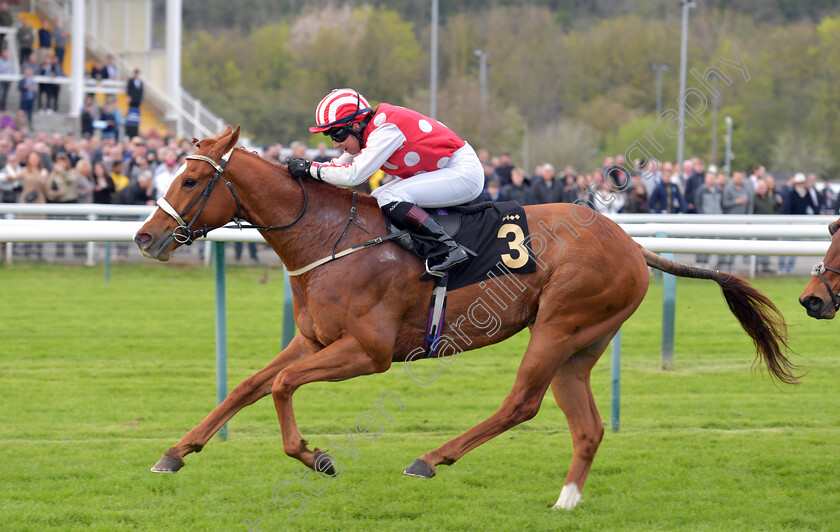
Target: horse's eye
189	182
834	227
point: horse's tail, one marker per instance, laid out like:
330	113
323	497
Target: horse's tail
756	313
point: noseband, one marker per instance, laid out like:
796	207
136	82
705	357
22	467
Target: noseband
818	271
185	234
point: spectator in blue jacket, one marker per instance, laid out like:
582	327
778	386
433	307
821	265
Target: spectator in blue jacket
666	196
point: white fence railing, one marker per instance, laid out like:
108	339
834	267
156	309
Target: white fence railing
765	235
15	230
625	220
92	230
733	219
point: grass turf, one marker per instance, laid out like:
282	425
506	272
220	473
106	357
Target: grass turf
98	379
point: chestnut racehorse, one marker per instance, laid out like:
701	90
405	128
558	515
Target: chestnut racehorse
362	312
821	297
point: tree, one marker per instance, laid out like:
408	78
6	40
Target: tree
564	143
458	109
794	151
377	53
825	117
555	65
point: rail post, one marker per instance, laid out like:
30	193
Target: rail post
91	246
669	303
288	311
107	257
615	382
221	329
9	245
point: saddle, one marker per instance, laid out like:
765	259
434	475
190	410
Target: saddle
495	233
484	228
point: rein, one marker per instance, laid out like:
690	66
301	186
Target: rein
363	245
184	234
818	271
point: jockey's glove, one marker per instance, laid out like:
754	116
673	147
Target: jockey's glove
299	167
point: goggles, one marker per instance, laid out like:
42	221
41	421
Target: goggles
338	134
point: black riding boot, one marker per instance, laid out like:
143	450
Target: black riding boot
416	218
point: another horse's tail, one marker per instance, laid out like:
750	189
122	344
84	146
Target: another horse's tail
757	314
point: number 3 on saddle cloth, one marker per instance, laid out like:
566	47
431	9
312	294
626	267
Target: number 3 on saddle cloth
496	231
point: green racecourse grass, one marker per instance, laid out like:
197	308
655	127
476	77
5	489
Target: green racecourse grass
98	379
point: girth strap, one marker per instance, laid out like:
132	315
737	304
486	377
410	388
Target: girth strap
437	313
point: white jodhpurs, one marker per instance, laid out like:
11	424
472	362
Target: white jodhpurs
460	181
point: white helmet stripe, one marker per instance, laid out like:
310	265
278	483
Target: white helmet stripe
329	107
336	104
321	113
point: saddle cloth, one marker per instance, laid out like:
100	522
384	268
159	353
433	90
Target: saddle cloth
496	231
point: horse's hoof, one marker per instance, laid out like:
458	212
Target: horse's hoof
419	468
167	464
324	464
569	497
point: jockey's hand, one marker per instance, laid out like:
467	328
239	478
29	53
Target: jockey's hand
298	167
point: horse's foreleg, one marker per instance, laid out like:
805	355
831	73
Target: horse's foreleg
573	394
247	392
343	359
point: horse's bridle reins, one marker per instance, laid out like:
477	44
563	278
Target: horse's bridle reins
818	270
184	234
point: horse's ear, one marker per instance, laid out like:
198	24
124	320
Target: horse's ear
195	142
227	140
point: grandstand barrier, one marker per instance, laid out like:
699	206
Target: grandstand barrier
664	234
626	218
768	235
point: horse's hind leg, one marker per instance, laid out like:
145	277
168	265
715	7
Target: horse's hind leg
247	392
573	394
543	356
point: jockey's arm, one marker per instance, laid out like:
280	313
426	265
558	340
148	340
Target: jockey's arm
349	171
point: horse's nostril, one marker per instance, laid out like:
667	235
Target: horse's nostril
142	238
811	302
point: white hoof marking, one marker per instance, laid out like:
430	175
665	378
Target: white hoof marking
569	497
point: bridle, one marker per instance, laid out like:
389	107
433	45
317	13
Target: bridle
819	269
185	234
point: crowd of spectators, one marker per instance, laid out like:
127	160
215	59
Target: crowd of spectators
657	187
41	168
662	187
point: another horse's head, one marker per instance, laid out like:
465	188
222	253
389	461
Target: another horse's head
193	201
821	297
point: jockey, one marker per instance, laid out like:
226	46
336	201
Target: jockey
432	166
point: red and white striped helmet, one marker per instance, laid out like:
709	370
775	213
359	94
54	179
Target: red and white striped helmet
341	106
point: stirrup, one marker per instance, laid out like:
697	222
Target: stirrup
432	273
